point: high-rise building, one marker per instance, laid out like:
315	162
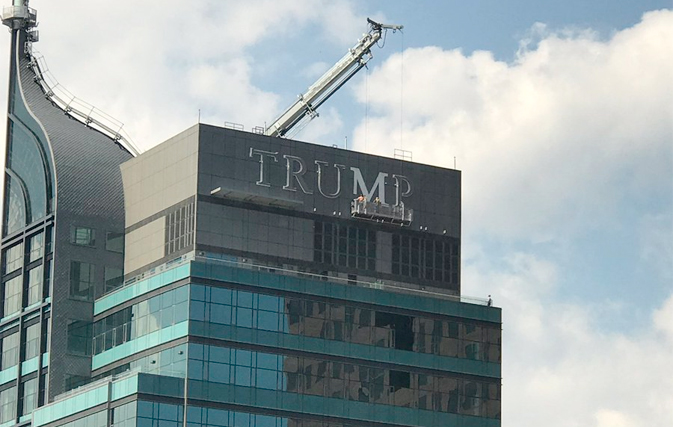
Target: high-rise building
266	281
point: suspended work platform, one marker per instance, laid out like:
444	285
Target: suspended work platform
380	212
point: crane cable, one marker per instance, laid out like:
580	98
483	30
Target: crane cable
366	106
402	95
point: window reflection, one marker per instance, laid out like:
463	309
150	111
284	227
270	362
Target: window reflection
82	280
25	159
299	316
326	378
82	236
15	206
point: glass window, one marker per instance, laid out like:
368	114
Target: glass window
12	296
15	206
114	242
243	374
221	296
220	314
82	236
160	311
46	333
32	341
266	379
219	354
218	372
35	247
34	291
335	243
267	320
145	409
10	350
8	404
49	246
79	337
47	278
25	159
168	412
179	229
181	311
28	396
342	381
12	258
269	302
123	413
81	279
244	317
197	310
244	299
114	278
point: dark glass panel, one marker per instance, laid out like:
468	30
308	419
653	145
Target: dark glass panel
15	206
25	159
82	280
83	236
114	242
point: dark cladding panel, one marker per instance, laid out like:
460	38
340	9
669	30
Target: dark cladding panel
289	202
236	229
322	180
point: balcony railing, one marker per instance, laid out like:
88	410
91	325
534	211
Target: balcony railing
76	108
289	270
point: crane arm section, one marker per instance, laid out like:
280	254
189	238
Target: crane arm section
304	109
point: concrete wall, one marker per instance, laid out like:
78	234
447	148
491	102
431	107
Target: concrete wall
157	183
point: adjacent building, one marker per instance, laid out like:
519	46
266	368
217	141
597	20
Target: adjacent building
227	278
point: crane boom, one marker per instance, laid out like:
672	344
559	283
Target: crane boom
304	109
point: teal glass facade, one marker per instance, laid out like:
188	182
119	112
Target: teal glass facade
269	336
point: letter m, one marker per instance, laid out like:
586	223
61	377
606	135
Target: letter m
379	184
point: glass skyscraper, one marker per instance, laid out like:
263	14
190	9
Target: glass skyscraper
227	278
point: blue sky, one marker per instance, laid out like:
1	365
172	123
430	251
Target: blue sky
559	114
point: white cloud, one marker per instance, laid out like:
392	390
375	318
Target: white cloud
557	140
612	418
663	320
315	70
559	368
322	129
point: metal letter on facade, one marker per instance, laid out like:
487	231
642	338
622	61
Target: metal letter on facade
338	168
263	181
379	184
297	175
398	179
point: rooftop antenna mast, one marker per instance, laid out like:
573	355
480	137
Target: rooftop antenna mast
304	109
